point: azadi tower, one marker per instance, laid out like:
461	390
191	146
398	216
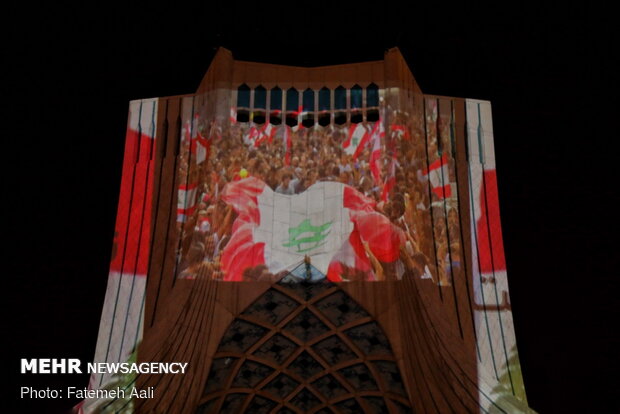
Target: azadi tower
310	240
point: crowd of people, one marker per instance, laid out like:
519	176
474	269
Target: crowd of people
290	164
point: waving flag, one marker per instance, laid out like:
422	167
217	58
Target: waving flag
242	252
384	238
251	136
265	133
328	222
199	148
438	175
243	195
186	201
401	132
350	261
357	138
199	145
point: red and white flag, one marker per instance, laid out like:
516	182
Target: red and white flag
358	137
401	132
242	252
198	145
251	135
242	196
265	133
327	222
438	174
186	201
199	148
350	258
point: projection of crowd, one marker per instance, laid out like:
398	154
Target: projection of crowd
355	201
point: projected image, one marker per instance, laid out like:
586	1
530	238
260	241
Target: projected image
354	200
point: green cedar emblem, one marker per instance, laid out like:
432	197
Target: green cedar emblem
306	234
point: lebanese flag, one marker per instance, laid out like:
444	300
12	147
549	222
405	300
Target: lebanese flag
384	240
199	145
242	252
350	258
251	136
242	196
382	236
186	201
358	137
327	222
356	201
373	137
266	133
199	148
401	132
438	175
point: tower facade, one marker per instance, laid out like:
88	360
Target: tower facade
321	240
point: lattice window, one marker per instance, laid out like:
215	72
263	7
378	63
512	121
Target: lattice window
304	347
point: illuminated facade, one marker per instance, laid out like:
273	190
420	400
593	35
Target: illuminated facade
321	240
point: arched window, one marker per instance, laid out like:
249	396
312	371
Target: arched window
340	98
292	106
275	106
292	100
243	103
340	105
260	104
324	106
356	104
324	99
260	97
276	99
279	352
308	100
372	103
372	96
308	108
356	97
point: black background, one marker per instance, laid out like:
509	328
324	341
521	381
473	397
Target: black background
546	70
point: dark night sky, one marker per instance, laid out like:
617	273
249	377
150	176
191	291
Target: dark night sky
72	72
